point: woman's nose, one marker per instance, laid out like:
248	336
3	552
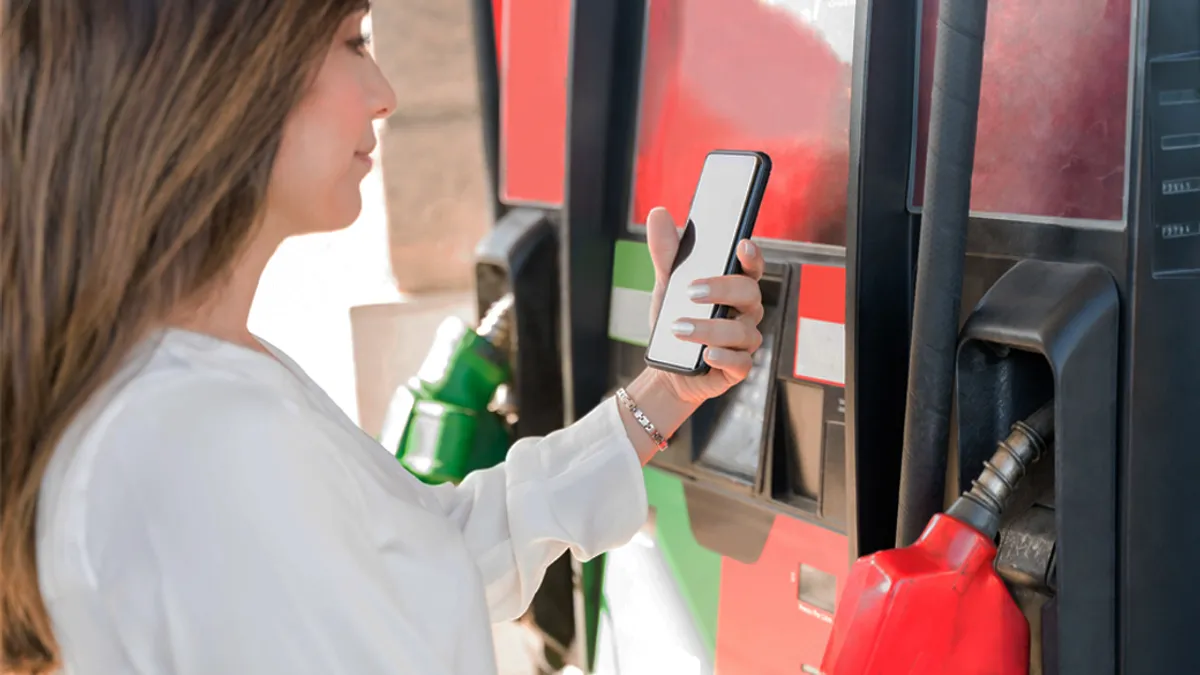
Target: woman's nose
383	96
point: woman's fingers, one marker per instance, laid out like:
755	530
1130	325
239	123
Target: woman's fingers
735	364
737	291
736	334
750	255
662	237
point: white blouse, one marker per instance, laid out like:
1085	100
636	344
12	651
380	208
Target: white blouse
213	511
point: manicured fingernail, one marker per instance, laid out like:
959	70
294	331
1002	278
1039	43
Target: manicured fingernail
698	291
683	328
750	247
715	353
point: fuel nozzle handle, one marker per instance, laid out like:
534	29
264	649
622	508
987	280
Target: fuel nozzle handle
496	324
465	366
982	505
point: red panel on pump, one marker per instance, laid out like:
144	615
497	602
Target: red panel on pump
763	627
498	26
821	325
533	100
746	74
1052	111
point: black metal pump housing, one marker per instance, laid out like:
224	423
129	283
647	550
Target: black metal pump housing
1053	328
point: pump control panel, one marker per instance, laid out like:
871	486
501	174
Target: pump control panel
1174	115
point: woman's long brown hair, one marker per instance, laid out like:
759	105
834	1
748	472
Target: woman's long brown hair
136	143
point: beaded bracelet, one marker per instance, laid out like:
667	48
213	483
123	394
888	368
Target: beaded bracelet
642	419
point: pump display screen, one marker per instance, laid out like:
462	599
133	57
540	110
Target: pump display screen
1053	109
753	75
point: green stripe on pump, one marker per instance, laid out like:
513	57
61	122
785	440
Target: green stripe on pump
632	267
633	282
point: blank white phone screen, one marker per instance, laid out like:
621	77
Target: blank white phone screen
721	197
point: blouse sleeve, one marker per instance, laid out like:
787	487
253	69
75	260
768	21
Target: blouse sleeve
579	488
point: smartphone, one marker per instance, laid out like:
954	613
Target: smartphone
722	214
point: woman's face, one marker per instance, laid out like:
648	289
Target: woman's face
327	140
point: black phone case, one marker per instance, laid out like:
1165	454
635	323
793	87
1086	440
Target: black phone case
732	264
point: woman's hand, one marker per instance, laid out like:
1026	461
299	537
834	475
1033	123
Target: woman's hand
669	399
731	341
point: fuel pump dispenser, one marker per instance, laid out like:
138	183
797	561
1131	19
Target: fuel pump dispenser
1052	173
480	389
949	599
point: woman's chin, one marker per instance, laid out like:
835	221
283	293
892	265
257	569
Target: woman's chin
349	217
341	218
302	217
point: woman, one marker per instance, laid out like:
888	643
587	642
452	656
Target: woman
178	497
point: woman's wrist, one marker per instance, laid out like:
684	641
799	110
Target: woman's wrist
655	394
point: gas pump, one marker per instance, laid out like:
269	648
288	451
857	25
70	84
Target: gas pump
1044	276
1054	306
910	328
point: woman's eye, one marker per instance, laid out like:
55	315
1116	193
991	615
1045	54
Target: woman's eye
359	43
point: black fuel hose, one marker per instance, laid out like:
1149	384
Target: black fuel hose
983	505
954	114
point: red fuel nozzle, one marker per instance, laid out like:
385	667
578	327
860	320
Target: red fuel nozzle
938	607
